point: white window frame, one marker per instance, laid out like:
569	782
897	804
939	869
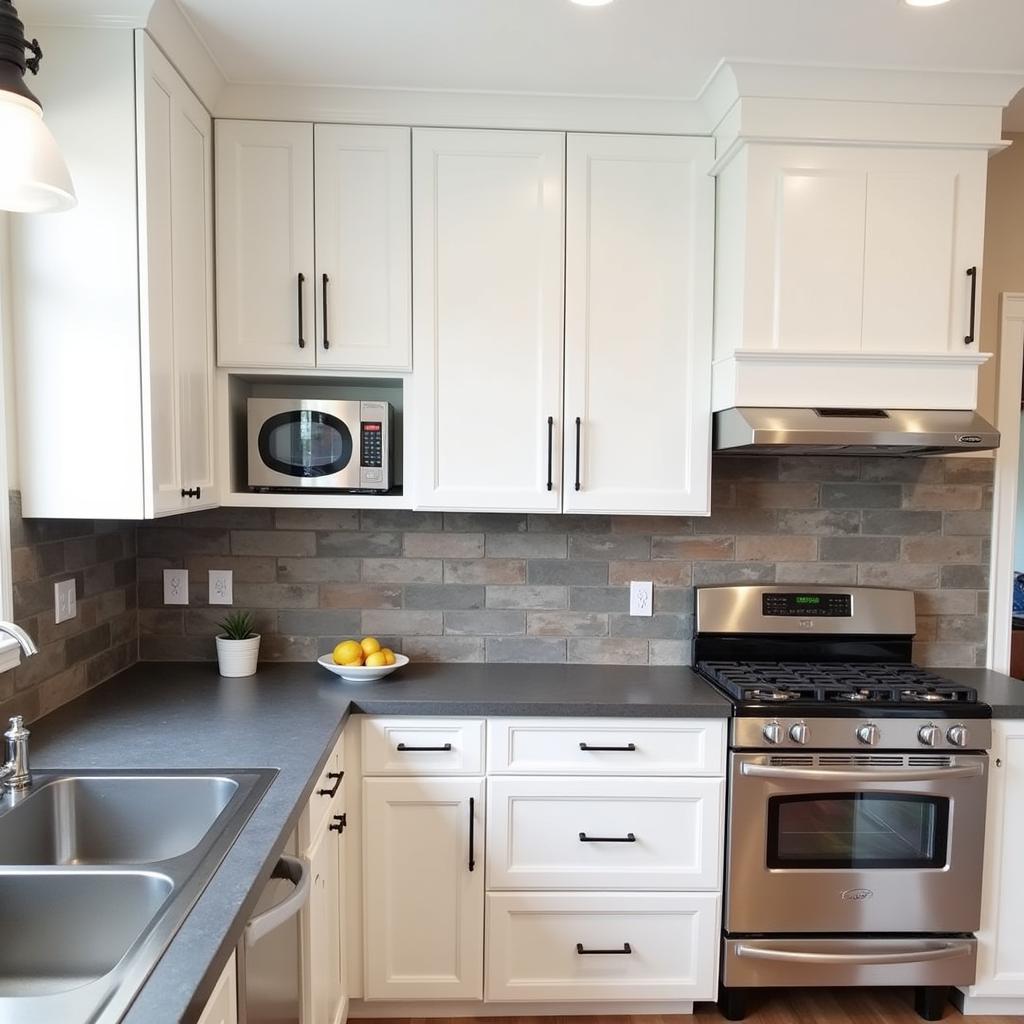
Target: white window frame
10	652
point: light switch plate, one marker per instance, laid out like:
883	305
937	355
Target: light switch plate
65	600
220	586
641	597
175	586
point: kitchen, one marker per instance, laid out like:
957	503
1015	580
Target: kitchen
327	316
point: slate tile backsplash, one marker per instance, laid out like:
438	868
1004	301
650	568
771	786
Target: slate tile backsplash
525	588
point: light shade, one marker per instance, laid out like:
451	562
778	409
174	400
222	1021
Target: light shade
33	175
591	3
925	3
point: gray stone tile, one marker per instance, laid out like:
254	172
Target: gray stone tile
945	655
318	570
608	651
444	596
662	572
527	597
776	494
527	545
564	572
948	602
964	470
207	621
571	523
682	549
444	545
901	469
244	569
565	624
965	576
485	522
609	547
861	495
316	518
358	545
818	468
277	647
360	595
599	599
177	648
331	622
291	543
827	573
658	626
664	526
745	467
899	575
402	570
673	599
485	570
712	573
942	550
820	522
859	549
671	652
391	520
404	623
525	649
165	542
275	595
947	497
489	622
161	621
444	648
737	520
900	523
967	524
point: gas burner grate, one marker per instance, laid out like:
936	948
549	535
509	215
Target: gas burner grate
769	682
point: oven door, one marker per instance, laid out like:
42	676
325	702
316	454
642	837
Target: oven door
303	444
834	843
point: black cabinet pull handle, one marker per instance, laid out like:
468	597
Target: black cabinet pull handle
440	750
972	273
627	747
337	776
551	432
472	826
192	492
577	453
626	948
627	838
302	281
340	821
326	279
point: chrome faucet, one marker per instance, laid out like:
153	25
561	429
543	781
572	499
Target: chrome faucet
26	642
15	774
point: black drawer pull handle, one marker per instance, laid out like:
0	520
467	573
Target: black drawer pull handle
327	344
551	432
628	747
340	821
302	281
439	750
472	825
192	492
626	948
972	273
337	776
627	838
578	453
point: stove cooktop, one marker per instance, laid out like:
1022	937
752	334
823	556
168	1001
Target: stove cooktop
830	687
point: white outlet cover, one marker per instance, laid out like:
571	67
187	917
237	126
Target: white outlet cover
220	586
65	600
175	586
641	597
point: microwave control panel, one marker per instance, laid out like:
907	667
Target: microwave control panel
374	445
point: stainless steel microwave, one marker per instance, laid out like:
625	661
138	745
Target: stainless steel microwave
305	444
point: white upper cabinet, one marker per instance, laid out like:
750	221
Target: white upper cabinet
638	323
265	261
313	240
363	240
488	319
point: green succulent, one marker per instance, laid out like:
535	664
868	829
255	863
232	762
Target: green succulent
238	626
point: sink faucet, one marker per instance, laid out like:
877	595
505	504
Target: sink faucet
26	642
15	774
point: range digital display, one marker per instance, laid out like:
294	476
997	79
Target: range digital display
838	606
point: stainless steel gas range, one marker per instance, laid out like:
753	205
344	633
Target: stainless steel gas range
857	787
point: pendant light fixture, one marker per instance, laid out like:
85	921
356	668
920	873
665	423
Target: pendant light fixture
33	175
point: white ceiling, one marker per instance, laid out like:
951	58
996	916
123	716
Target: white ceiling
632	48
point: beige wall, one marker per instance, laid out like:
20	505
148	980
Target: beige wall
1004	255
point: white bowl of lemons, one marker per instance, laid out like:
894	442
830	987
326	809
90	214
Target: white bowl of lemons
362	661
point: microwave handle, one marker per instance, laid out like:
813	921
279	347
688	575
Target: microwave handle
772	771
297	870
926	952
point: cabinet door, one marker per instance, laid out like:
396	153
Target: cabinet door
1001	936
222	1007
322	967
176	236
265	244
638	303
423	883
488	318
363	247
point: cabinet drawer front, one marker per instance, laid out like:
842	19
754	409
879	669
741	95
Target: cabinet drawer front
605	746
533	942
569	833
423	746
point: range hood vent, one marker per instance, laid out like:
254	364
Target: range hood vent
844	431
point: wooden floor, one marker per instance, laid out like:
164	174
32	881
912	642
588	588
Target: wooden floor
797	1006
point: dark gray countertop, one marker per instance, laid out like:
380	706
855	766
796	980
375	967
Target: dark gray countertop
288	717
1006	695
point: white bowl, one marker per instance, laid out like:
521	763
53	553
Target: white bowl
361	673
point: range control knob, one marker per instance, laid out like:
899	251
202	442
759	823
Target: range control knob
799	733
929	735
772	732
957	735
869	734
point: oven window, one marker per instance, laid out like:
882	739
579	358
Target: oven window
857	830
305	443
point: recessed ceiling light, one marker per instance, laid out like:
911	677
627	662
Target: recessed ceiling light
925	3
591	3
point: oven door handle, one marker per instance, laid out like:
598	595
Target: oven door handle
945	951
773	771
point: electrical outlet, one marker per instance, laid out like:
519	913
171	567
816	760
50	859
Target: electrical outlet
220	586
175	586
641	597
65	600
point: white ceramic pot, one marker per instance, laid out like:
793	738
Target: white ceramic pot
238	657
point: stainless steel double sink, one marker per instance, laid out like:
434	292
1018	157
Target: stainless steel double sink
98	870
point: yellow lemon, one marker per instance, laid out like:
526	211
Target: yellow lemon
347	651
376	660
354	662
370	645
389	655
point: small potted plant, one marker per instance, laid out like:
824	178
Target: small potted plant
238	647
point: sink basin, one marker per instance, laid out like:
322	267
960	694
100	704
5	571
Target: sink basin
98	870
113	819
64	930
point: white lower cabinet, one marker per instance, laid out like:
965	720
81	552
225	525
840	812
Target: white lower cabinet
423	879
601	946
323	977
222	1006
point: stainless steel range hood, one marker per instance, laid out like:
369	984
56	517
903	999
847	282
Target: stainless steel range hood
763	431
